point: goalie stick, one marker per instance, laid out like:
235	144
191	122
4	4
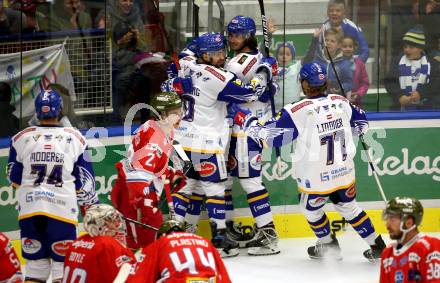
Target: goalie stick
266	49
146	226
361	136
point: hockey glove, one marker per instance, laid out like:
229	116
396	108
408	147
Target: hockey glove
271	90
241	117
177	85
172	71
176	177
268	65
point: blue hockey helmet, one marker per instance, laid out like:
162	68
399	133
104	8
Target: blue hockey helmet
242	25
192	45
314	73
210	42
48	104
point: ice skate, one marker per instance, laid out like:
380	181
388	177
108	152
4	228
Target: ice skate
373	254
265	242
242	234
225	246
325	250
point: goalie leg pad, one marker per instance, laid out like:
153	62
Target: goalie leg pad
38	269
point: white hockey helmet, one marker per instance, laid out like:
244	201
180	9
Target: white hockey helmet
104	220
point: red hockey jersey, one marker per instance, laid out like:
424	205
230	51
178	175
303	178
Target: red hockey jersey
180	258
416	261
95	259
9	262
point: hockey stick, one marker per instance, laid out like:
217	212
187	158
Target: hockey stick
146	226
361	136
266	49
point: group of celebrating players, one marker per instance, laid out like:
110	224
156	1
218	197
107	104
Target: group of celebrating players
218	109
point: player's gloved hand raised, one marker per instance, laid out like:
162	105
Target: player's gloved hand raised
271	89
268	65
177	85
241	117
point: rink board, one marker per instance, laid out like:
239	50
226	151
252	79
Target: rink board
409	165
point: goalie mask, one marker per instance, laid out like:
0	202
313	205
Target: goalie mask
104	220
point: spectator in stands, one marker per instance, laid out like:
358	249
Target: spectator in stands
125	11
9	121
409	77
337	20
63	15
288	74
344	66
429	16
11	21
360	75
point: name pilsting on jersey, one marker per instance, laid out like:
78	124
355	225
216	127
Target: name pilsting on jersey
330	126
215	73
42	156
300	105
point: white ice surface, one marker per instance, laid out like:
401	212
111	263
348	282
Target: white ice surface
294	265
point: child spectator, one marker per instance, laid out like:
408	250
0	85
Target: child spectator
360	76
287	75
337	20
344	67
409	77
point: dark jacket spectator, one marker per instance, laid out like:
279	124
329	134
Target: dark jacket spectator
11	21
429	17
9	121
408	81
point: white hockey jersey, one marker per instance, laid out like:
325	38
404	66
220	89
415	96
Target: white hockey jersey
321	128
244	66
49	166
204	127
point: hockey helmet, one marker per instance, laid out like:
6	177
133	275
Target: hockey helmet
104	220
170	226
166	101
210	42
405	207
242	25
48	104
314	73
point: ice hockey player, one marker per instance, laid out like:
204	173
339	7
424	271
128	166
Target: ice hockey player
139	184
414	257
101	254
244	153
177	256
49	166
204	130
321	125
11	270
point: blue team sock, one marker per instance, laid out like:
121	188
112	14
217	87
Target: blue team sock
216	209
260	207
362	224
321	227
180	204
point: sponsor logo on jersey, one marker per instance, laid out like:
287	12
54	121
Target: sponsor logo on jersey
399	277
317	109
122	259
47	137
60	248
30	246
329	116
47	147
351	192
76	134
36	137
232	162
317	202
249	66
215	73
325	176
242	59
59	138
300	105
206	169
256	162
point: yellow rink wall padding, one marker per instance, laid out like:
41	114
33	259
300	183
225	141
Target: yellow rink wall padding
295	225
